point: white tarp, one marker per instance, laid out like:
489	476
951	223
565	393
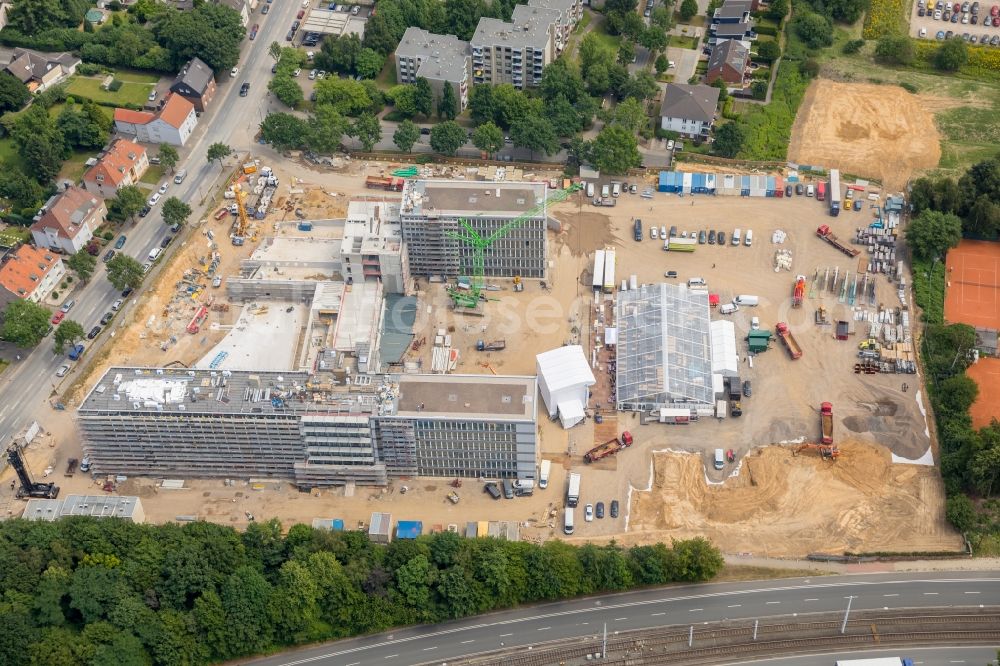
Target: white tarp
564	377
570	413
725	360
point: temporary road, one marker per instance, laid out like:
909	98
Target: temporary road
684	606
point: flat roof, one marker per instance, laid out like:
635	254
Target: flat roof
259	340
475	396
456	198
95	506
298	249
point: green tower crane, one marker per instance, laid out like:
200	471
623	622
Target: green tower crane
470	298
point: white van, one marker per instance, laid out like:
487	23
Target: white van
605	191
736	236
728	308
616	189
696	282
590	190
154	253
181	175
748	300
568	520
720	459
749	238
809	190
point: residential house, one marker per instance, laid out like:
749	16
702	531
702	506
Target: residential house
437	58
689	110
242	7
173	123
40	71
124	164
31	273
742	32
728	62
733	11
196	83
67	221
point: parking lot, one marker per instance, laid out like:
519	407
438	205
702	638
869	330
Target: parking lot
973	21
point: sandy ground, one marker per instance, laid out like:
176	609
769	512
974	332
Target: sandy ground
986	373
880	132
798	505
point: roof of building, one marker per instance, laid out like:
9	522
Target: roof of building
23	272
114	164
134	117
729	52
176	111
196	75
451	198
564	367
733	9
535	17
474	396
558	5
26	64
693	102
732	29
442	57
67	211
491	31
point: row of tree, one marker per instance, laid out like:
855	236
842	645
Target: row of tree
111	592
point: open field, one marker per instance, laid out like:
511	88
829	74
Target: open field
135	89
872	131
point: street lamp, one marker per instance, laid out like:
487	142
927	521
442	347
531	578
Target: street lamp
843	627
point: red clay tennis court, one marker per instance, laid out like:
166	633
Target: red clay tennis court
973	292
986	373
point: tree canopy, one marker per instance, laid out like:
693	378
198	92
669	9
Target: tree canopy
615	150
406	135
25	323
67	333
932	233
447	137
124	271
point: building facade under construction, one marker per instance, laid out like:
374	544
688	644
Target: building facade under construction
307	429
431	211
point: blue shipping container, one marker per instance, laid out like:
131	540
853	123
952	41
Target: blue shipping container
662	187
409	529
770	186
305	226
744	186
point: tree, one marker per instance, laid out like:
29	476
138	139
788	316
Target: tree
641	86
511	104
759	89
630	114
67	333
661	18
695	560
814	29
284	131
326	129
768	51
25	323
654	39
960	512
488	138
209	31
13	94
562	78
368	63
19	189
246	597
729	139
482	107
169	156
777	10
407	133
175	211
368	130
341	53
846	11
82	263
40	143
688	9
534	133
218	151
124	271
615	150
894	50
932	233
274	50
951	55
83	126
630	26
447	137
128	201
423	96
626	52
345	96
447	107
403	98
286	89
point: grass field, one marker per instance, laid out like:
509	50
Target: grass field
74	168
12	235
9	154
154	175
387	77
684	42
132	91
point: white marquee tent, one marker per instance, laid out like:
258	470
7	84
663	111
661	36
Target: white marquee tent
564	379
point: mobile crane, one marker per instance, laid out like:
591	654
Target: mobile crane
469	298
29	487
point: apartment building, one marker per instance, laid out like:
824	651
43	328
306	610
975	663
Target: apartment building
514	52
570	13
437	58
432	210
689	109
123	164
30	274
67	220
173	123
301	426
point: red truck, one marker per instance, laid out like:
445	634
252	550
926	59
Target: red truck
788	340
831	238
798	291
826	419
609	448
821	190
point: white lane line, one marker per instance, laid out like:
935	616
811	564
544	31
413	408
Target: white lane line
735	606
930	594
772	602
890	595
695	610
655	614
354	663
391	656
619	619
543	628
502	635
811	599
430	648
972	593
471	640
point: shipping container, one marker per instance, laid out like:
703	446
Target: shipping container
744	186
598	281
662	186
609	270
380	527
686	183
770	186
779	187
409	529
710	183
698	183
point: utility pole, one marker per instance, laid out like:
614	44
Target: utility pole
843	627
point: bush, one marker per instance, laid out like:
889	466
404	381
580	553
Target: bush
115	86
809	68
928	289
88	69
55	295
909	87
69	279
107	235
766	30
853	46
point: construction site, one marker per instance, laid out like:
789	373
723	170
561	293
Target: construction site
312	276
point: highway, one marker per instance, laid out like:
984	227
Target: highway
26	386
685	605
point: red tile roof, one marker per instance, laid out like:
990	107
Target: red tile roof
133	117
69	212
120	158
23	272
176	111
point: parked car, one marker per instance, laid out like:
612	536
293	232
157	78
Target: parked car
109	255
614	508
144	211
702	237
117	305
61	372
670	274
599	509
126	291
108	316
788	191
746	388
58	317
588	513
799	189
721	237
153	199
267	8
93	332
166	241
245	89
120	243
940	34
492	490
711	236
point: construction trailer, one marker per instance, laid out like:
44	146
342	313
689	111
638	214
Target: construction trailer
380	528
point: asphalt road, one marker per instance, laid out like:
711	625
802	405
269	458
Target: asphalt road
694	604
26	386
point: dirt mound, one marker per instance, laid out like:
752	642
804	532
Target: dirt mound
582	231
875	131
781	504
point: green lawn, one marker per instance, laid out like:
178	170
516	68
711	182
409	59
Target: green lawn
137	77
387	77
74	168
56	109
12	235
154	175
9	154
131	92
612	41
684	42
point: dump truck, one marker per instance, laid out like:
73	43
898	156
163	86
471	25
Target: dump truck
71	466
799	291
826	420
391	184
826	234
783	332
609	448
495	345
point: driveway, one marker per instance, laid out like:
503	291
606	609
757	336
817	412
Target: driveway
685	63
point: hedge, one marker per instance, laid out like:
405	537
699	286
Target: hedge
766	30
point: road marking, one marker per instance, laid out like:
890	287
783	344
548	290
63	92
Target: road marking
655	614
695	610
772	602
735	606
430	648
812	599
972	593
502	635
890	595
584	623
930	594
391	656
354	663
469	641
619	619
543	628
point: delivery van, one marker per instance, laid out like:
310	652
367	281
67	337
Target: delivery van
747	300
590	190
720	459
181	175
696	282
728	308
568	520
616	189
605	191
154	253
749	237
737	234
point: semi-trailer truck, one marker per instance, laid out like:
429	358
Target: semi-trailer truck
573	490
609	448
826	234
834	192
878	661
791	344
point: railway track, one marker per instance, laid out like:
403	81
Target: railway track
714	643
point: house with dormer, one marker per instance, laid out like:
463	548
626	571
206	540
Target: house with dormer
67	220
30	274
195	83
40	71
123	164
173	123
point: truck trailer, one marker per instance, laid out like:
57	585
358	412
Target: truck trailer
791	344
834	192
573	490
598	279
826	234
609	270
826	421
609	448
878	661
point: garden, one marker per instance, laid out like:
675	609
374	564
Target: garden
133	91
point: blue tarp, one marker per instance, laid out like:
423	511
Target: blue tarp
409	529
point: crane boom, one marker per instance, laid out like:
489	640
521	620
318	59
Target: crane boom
479	244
